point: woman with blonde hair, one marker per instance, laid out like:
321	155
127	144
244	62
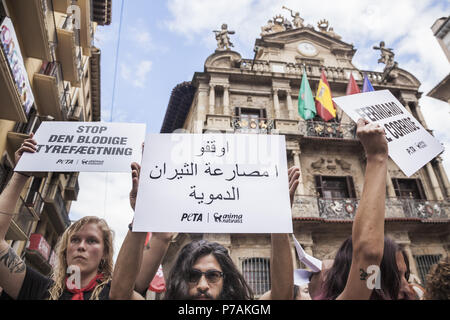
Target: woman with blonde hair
84	252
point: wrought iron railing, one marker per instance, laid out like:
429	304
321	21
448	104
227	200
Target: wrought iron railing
328	129
337	209
425	209
245	124
345	208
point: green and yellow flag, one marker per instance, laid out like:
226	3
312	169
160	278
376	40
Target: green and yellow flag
306	105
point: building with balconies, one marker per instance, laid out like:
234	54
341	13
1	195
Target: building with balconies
237	95
441	31
49	70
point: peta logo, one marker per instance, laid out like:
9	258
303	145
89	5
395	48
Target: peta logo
192	217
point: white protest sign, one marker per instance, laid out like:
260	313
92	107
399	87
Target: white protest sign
213	183
302	276
410	145
313	263
84	146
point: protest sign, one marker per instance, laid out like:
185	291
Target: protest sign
218	183
84	146
410	145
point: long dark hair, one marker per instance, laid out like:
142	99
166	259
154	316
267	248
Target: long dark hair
234	285
338	274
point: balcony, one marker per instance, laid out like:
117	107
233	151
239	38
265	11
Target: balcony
35	203
333	130
38	253
316	208
56	209
69	52
72	188
249	124
49	88
21	223
424	209
34	19
85	25
102	11
11	107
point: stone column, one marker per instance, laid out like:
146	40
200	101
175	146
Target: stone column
212	98
420	116
434	183
300	189
226	100
276	104
289	105
202	103
390	186
412	261
443	175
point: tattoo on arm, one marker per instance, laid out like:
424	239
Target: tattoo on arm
363	274
12	261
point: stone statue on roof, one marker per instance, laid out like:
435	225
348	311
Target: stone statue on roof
297	20
387	55
223	40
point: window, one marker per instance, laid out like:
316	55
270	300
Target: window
408	188
256	272
335	187
251	120
424	263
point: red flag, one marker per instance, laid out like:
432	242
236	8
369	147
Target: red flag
352	86
158	283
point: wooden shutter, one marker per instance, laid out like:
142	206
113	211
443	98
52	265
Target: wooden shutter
350	187
420	188
396	187
318	180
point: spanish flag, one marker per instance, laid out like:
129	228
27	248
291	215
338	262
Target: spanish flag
324	105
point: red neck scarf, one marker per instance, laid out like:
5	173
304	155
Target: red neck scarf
78	293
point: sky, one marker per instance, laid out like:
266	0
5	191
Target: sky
163	43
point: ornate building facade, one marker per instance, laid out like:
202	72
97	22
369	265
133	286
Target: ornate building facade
49	71
238	95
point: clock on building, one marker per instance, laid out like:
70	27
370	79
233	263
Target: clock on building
306	48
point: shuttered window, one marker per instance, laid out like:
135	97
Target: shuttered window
335	187
408	188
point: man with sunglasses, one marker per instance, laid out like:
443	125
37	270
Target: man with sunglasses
203	269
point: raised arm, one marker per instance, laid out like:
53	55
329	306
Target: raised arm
12	268
368	226
152	258
281	263
130	255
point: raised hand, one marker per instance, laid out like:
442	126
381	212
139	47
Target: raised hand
135	172
293	175
29	145
373	139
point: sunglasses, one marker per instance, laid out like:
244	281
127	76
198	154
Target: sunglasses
212	276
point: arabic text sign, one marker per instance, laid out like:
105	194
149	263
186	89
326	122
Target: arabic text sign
410	145
213	184
85	146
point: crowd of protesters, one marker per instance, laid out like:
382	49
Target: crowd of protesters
205	270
